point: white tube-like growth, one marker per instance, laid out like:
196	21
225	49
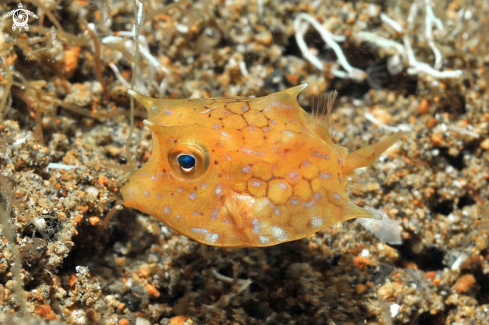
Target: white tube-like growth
331	40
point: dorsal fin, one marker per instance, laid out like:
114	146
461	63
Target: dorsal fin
321	110
320	120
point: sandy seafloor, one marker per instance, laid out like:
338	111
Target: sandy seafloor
64	105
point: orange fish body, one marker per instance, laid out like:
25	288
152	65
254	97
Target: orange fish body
244	172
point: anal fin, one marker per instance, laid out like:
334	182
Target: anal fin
352	211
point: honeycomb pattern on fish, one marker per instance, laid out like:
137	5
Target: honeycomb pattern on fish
265	170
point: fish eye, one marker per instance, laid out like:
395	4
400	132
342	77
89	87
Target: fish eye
188	160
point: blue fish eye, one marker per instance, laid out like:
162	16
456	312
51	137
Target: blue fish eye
186	162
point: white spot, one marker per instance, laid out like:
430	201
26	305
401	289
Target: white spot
288	134
264	240
256	228
195	213
247	150
211	238
255	183
218	190
146	193
317	196
182	28
394	309
228	157
319	155
203	185
277	212
40	223
279	233
143	174
166	209
266	129
214	214
339	157
336	196
245	198
216	126
458	262
325	176
153	177
306	163
294	201
78	316
205	231
246	169
317	222
309	204
365	253
178	216
168	112
158	196
282	105
192	196
224	134
294	176
273	122
283	185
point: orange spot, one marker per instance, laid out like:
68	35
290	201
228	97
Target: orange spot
94	220
45	311
411	265
82	208
152	291
293	79
362	262
361	288
72	280
464	283
144	271
431	122
70	58
178	320
102	180
436	139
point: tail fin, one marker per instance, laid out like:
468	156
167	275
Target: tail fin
366	156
